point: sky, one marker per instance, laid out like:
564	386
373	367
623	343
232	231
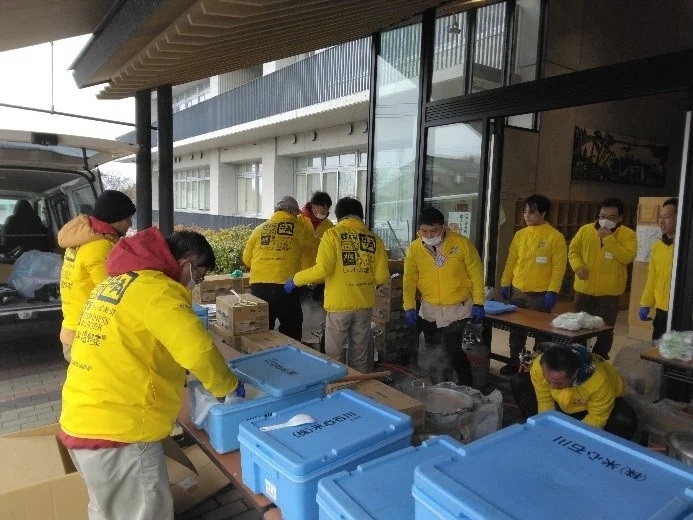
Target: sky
26	81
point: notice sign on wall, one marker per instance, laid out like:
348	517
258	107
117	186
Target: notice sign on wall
461	222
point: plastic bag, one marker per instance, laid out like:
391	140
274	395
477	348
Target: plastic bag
203	402
33	270
577	321
677	345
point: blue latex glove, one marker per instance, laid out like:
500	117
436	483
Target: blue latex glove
411	317
505	293
549	300
644	314
240	390
289	286
477	313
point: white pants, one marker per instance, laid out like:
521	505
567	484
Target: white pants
128	483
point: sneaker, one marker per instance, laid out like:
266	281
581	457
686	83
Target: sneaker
509	369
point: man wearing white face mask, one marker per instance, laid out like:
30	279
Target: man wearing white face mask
314	215
599	254
446	268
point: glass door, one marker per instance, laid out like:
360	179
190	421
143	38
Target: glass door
453	175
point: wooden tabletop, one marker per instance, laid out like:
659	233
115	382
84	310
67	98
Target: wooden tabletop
536	323
654	355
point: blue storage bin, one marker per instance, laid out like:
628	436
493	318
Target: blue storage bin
380	489
288	375
553	467
202	313
285	465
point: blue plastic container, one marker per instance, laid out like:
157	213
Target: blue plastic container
380	489
287	375
286	464
202	313
553	467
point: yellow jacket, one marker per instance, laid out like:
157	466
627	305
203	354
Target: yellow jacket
656	292
137	336
84	267
606	261
537	260
352	261
596	395
310	252
273	251
460	276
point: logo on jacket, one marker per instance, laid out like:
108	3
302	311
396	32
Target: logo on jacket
285	228
70	254
113	288
366	243
542	244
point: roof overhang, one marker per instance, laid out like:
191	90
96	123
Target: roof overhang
30	22
145	45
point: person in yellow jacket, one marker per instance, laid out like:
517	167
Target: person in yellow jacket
273	254
352	261
87	240
658	285
599	255
446	268
534	269
137	336
580	384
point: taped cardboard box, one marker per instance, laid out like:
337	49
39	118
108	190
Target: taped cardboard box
388	396
216	285
40	481
226	336
380	314
259	341
242	317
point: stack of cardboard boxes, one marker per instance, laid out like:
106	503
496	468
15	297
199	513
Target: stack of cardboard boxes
398	339
239	315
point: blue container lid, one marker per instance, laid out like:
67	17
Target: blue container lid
361	493
346	423
285	370
556	467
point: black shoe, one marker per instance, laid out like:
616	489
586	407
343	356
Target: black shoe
509	370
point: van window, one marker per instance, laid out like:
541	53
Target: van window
6	208
83	200
61	210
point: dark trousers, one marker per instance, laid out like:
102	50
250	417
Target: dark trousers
444	346
659	323
526	300
282	306
622	422
605	307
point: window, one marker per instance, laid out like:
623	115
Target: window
249	189
340	176
191	189
191	96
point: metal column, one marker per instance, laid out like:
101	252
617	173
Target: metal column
143	180
165	113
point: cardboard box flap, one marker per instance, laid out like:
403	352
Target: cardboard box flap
175	452
30	460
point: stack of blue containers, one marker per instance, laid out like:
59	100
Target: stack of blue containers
552	467
346	429
286	375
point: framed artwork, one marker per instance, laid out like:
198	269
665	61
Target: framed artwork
599	156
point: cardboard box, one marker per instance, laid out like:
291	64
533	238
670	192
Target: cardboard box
45	485
239	319
388	396
226	336
390	302
259	341
216	285
390	290
380	314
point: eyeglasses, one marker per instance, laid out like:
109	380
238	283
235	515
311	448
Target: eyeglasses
197	277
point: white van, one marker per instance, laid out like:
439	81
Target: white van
45	180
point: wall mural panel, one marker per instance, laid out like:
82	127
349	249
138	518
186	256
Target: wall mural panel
600	156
